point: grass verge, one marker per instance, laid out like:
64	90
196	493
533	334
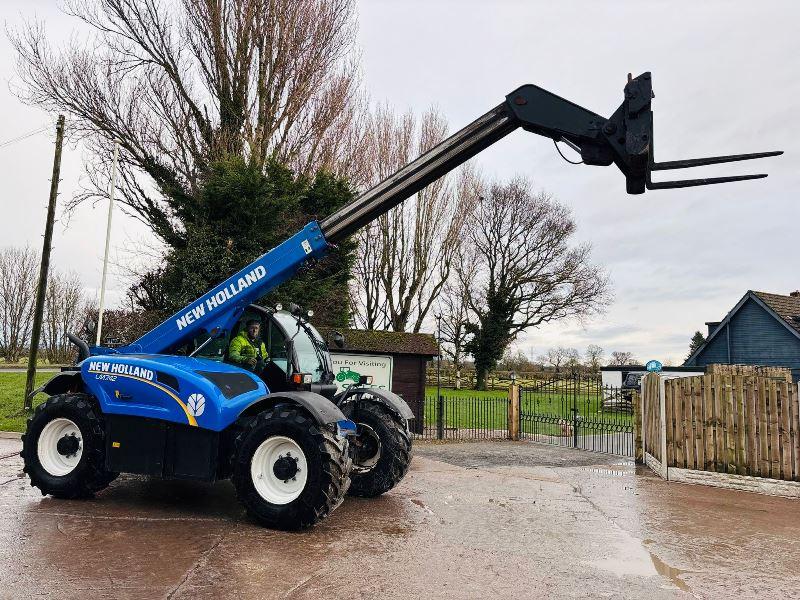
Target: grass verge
12	389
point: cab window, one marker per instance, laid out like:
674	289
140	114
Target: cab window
276	346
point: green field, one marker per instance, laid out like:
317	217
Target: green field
12	388
430	392
471	409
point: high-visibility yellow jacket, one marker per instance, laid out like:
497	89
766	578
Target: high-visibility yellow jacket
241	349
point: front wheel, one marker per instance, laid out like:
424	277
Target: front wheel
289	472
63	448
381	449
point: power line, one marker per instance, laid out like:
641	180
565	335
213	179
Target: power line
24	136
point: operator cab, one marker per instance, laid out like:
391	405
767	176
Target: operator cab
298	357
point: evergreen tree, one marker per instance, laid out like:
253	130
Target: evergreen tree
242	212
698	339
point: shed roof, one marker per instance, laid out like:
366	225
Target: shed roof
382	342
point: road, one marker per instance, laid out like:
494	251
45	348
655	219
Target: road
471	520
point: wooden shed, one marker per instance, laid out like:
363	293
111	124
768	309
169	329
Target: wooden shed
762	329
408	355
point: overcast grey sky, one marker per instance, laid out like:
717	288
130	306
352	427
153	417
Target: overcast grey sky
727	80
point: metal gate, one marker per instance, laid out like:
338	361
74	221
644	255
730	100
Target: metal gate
578	412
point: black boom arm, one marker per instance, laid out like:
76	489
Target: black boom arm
625	139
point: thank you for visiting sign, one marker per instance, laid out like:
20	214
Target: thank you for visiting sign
349	367
653	366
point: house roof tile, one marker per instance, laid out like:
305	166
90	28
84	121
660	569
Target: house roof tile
382	342
787	307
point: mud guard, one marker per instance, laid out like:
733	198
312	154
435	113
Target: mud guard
384	397
319	407
66	381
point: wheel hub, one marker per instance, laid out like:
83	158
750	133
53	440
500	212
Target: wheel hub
279	469
366	448
285	467
60	446
68	445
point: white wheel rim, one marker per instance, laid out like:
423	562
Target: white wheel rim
262	470
50	458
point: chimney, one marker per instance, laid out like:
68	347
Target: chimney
712	325
795	294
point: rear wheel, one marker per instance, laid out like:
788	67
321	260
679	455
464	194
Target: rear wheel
289	472
381	449
63	449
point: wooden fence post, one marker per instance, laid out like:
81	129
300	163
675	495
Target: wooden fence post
513	412
638	452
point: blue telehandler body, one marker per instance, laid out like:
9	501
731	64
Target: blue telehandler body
171	405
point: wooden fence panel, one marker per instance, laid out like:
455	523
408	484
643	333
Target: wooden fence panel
740	445
730	401
763	430
735	421
774	439
652	406
708	424
669	415
794	405
750	420
677	397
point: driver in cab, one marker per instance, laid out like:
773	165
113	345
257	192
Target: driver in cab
247	350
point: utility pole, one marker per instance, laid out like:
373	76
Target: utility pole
41	289
108	239
439	397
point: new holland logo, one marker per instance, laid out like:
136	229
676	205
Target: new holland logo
196	404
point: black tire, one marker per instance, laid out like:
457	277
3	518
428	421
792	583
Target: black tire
328	464
89	475
395	449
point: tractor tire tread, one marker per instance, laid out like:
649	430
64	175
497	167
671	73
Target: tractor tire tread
90	476
396	454
311	507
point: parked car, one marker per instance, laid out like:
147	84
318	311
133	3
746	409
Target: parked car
622	398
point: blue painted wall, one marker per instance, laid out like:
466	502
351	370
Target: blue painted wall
757	338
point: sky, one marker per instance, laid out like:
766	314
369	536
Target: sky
726	76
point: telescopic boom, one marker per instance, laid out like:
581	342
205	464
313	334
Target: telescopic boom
625	139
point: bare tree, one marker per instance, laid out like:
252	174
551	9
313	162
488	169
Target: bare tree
366	297
515	361
594	358
453	308
558	357
407	255
64	310
621	359
180	84
18	273
573	362
528	274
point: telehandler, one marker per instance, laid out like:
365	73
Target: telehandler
169	405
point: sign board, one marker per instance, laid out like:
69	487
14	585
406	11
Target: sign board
349	367
653	366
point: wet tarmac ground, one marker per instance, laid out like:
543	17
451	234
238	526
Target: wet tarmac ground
471	520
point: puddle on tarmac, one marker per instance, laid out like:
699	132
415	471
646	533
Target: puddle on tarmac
639	561
673	574
609	472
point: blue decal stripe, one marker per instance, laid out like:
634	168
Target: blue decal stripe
192	420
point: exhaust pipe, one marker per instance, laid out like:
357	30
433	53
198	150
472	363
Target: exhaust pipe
83	347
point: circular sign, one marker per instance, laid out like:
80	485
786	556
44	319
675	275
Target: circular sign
653	366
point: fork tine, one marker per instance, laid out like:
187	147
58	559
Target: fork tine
711	160
682	183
